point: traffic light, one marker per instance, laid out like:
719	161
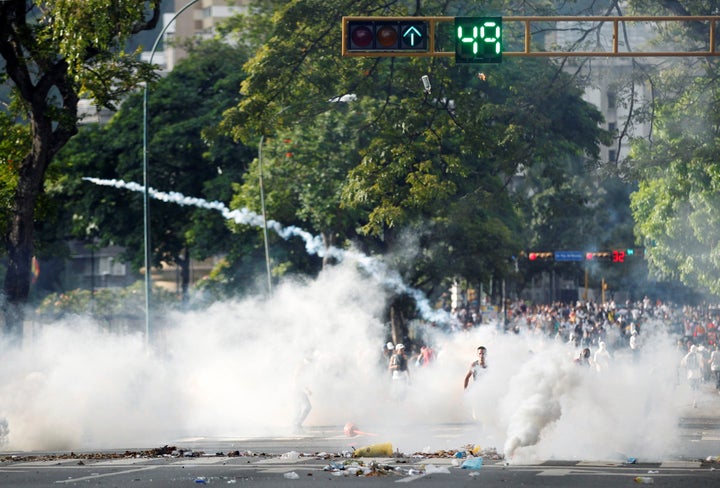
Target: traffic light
540	256
599	256
405	35
478	39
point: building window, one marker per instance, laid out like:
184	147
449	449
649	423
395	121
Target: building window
611	99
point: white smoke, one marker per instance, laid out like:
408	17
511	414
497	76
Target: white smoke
313	244
230	371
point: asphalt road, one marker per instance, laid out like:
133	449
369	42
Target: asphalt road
322	457
312	470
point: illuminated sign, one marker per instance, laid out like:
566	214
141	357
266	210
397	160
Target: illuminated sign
478	39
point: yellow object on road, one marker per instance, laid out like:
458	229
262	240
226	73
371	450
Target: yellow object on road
375	450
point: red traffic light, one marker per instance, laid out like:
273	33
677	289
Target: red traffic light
361	36
540	256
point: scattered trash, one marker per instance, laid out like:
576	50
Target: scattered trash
632	461
201	480
292	475
334	467
472	463
653	472
474	473
375	450
292	455
460	454
432	469
644	480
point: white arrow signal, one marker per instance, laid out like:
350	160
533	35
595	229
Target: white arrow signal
413	32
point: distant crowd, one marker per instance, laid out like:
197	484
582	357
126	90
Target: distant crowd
594	326
587	323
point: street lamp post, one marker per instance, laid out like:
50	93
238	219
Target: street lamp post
264	216
146	195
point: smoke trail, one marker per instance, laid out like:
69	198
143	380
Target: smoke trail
391	279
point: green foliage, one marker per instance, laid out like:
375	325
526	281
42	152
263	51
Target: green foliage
676	205
106	302
80	30
14	145
439	164
186	154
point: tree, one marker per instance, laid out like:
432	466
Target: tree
675	206
441	164
187	155
54	52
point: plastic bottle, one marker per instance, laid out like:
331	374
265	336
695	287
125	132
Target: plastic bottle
644	480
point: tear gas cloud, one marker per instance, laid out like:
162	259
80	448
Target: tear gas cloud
230	371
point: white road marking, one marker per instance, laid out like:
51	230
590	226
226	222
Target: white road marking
96	476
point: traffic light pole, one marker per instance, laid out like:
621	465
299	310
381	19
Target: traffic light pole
528	50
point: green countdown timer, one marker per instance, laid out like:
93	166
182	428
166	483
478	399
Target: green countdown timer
478	40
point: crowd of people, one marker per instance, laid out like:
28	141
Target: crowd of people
596	328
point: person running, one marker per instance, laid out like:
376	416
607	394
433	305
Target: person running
714	363
302	394
476	366
693	367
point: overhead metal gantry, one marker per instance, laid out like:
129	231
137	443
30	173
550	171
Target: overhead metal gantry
430	25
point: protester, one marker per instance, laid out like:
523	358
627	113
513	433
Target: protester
601	358
714	363
399	372
583	358
692	362
302	394
398	365
425	356
476	366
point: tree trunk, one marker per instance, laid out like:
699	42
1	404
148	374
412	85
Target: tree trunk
184	264
48	138
398	327
44	84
